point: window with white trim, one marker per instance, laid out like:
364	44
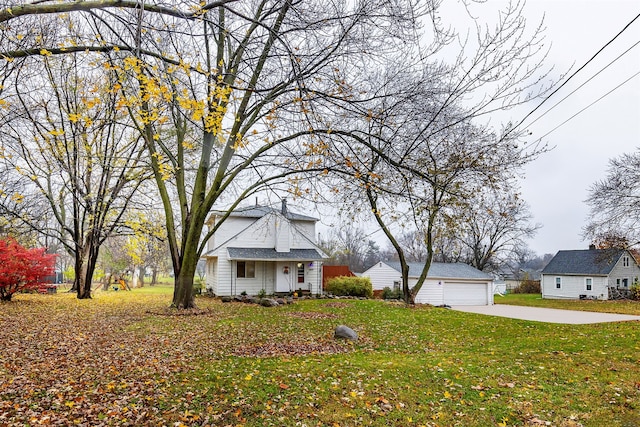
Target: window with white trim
588	283
558	282
625	261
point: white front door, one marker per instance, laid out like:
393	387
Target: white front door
285	276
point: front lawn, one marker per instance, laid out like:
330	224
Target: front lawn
535	300
124	359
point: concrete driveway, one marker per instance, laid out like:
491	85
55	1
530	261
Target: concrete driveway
550	315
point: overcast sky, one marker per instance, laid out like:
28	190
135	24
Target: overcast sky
557	183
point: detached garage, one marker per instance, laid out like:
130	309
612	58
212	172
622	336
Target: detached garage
446	283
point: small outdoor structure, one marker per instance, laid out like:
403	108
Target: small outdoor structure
446	283
262	249
588	273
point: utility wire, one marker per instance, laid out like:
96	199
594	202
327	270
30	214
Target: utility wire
594	102
579	87
576	72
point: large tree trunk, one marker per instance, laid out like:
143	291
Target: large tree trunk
84	272
183	291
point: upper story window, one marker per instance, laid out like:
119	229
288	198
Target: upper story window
625	261
588	282
558	282
246	269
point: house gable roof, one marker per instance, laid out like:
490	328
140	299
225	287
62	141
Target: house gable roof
595	262
260	211
443	270
261	218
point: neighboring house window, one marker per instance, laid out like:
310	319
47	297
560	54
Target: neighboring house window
625	261
617	283
625	283
588	282
300	272
246	269
396	286
558	282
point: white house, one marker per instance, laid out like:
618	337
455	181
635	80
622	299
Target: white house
588	273
262	248
446	283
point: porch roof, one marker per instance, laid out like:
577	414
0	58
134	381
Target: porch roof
270	254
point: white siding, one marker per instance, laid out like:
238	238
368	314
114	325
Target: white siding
211	275
573	286
431	292
382	276
283	235
303	234
630	272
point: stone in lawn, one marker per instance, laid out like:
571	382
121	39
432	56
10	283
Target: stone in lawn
268	302
345	332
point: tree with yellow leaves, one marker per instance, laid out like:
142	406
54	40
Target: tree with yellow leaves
77	155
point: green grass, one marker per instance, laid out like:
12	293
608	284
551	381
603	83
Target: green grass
411	367
535	300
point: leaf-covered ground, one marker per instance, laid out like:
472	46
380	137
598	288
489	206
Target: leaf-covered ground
123	358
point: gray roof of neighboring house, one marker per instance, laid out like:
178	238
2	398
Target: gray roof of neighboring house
443	270
271	254
260	211
584	262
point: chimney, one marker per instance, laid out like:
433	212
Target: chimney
592	247
284	207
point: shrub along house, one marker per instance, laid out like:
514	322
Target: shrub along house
260	248
580	274
446	283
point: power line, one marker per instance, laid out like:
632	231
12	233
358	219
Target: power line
583	84
594	102
577	71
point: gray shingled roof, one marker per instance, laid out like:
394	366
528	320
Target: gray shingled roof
260	211
271	254
595	262
444	270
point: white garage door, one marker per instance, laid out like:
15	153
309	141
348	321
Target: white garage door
465	294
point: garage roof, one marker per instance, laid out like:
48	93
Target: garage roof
444	270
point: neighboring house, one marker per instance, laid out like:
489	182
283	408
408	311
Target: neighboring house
446	283
588	273
260	248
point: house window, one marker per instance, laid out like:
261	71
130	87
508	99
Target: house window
396	285
588	283
625	283
617	283
625	261
558	282
300	272
246	269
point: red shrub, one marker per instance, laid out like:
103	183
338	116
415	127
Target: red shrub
22	268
